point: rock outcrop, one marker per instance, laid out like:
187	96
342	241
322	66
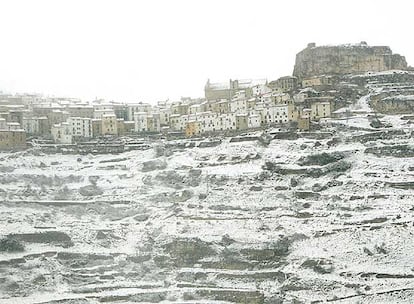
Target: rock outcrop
346	59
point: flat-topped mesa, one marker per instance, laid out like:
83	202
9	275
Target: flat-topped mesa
346	59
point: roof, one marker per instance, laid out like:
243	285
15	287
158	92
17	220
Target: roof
308	89
322	102
287	77
72	106
205	113
248	83
15	130
243	84
105	110
341	110
81	118
13	106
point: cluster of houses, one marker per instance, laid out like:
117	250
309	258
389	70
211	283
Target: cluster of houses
227	107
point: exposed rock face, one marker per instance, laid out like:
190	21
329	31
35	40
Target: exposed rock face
346	59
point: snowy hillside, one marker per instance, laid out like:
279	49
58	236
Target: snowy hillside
325	217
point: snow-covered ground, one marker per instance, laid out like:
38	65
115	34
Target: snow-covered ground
234	223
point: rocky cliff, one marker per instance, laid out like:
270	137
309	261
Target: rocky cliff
346	59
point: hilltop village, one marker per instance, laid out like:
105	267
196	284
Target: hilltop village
293	190
326	80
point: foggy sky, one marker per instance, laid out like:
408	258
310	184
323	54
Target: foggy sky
132	51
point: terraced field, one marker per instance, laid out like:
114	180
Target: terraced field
327	217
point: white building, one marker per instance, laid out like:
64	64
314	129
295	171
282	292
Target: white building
80	126
208	121
98	114
35	125
195	108
178	122
253	121
61	133
145	122
165	114
277	114
266	98
140	120
260	89
226	121
138	107
3	124
238	105
10	126
102	106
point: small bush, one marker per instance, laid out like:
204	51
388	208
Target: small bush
320	159
9	244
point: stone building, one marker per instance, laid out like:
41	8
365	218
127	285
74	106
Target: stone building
178	122
192	128
141	122
242	122
321	109
238	105
36	125
109	124
284	84
12	139
165	114
304	120
319	82
179	108
227	90
96	127
345	59
98	114
85	111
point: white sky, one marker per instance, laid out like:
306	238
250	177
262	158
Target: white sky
152	50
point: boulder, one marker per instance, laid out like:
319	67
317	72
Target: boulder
57	238
401	151
186	252
154	164
90	190
256	188
320	159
